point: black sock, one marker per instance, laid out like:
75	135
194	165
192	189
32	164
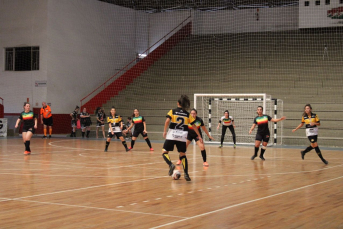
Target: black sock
107	143
319	153
88	133
124	144
71	134
148	142
203	154
262	152
74	134
256	151
83	134
222	140
184	163
132	143
308	149
166	158
27	146
234	138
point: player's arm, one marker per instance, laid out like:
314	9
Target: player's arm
207	133
35	122
220	121
48	112
298	127
17	123
233	124
252	128
278	119
71	115
41	116
166	124
144	124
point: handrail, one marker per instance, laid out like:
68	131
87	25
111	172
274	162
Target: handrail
2	101
104	84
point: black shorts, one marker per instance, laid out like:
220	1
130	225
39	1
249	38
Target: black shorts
190	137
313	139
136	134
47	121
98	124
118	134
28	129
262	137
73	123
169	146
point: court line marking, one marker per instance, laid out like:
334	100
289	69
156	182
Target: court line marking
246	202
85	188
98	208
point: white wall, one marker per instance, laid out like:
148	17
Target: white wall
162	23
314	16
22	23
243	21
88	41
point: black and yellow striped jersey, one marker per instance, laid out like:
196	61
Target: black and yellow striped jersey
179	119
115	122
308	119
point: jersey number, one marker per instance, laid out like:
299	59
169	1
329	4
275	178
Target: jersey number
181	121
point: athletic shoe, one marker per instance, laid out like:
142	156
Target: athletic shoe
27	153
303	154
187	178
127	149
325	161
105	150
151	149
44	136
220	146
178	162
234	146
262	158
253	157
171	169
130	147
49	136
205	164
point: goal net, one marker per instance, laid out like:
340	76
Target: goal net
242	107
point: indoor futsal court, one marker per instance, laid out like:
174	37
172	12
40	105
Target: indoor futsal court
72	183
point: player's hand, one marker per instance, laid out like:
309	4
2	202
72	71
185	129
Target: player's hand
16	126
35	127
112	132
250	131
212	138
144	131
234	126
201	141
294	130
164	135
283	118
41	122
217	127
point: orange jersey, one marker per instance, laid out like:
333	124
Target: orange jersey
46	112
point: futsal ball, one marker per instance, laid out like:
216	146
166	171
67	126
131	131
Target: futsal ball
176	175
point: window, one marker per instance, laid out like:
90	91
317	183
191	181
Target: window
327	2
22	59
317	3
307	3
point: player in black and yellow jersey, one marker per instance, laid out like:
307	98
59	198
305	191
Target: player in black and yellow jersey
139	125
312	122
30	125
177	121
193	136
263	134
115	128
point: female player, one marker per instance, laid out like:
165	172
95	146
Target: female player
192	135
74	118
178	120
228	122
262	131
30	124
115	128
140	128
100	121
312	122
86	123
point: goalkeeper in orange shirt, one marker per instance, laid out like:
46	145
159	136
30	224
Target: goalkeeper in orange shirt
46	118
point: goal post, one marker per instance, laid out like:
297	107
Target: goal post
242	107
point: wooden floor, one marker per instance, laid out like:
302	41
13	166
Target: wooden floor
72	183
